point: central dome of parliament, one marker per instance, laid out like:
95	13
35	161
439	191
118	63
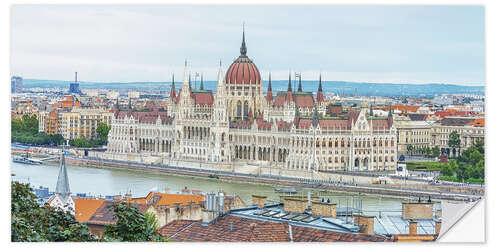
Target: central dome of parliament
243	70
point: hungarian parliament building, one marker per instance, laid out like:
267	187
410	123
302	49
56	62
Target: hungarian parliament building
291	129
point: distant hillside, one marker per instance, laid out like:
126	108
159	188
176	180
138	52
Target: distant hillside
337	87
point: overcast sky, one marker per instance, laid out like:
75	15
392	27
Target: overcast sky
401	44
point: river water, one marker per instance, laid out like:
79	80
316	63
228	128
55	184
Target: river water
104	181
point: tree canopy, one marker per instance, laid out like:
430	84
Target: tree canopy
32	222
131	225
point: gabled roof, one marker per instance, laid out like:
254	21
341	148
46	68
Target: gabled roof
203	98
104	215
254	230
85	208
170	199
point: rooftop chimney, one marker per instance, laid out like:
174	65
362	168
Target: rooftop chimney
259	200
437	224
365	223
324	209
413	227
416	210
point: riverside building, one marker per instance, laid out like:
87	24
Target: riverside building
239	124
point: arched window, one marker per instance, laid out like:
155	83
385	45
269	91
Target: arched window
245	110
238	110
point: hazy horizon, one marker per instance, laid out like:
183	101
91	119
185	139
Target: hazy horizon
149	43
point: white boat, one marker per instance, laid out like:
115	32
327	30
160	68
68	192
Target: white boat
26	160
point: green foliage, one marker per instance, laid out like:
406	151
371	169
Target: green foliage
81	143
435	151
424	165
410	148
448	178
454	140
25	130
469	166
31	222
151	222
102	138
130	225
102	132
448	168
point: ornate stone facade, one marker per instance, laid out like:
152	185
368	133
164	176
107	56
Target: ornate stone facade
291	130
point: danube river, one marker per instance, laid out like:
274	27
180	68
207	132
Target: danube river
108	181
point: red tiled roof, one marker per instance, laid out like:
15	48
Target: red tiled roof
477	122
85	208
304	101
304	124
380	124
334	124
171	199
252	230
204	98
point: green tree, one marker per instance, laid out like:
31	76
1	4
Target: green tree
409	148
32	222
454	140
448	169
130	225
103	131
435	151
151	222
479	145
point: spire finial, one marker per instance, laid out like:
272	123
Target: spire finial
300	83
243	49
289	81
185	62
201	82
62	187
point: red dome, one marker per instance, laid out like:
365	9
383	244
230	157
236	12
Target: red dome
243	71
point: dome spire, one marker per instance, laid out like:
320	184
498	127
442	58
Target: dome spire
300	83
201	83
289	82
243	49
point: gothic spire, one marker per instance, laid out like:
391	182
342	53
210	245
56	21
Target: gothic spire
129	103
189	80
243	48
172	89
320	87
117	104
201	83
315	120
319	95
269	95
289	82
390	110
62	187
300	83
371	110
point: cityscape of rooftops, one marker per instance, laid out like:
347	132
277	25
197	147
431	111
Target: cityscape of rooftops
245	123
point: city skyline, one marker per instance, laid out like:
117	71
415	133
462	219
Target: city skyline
125	44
